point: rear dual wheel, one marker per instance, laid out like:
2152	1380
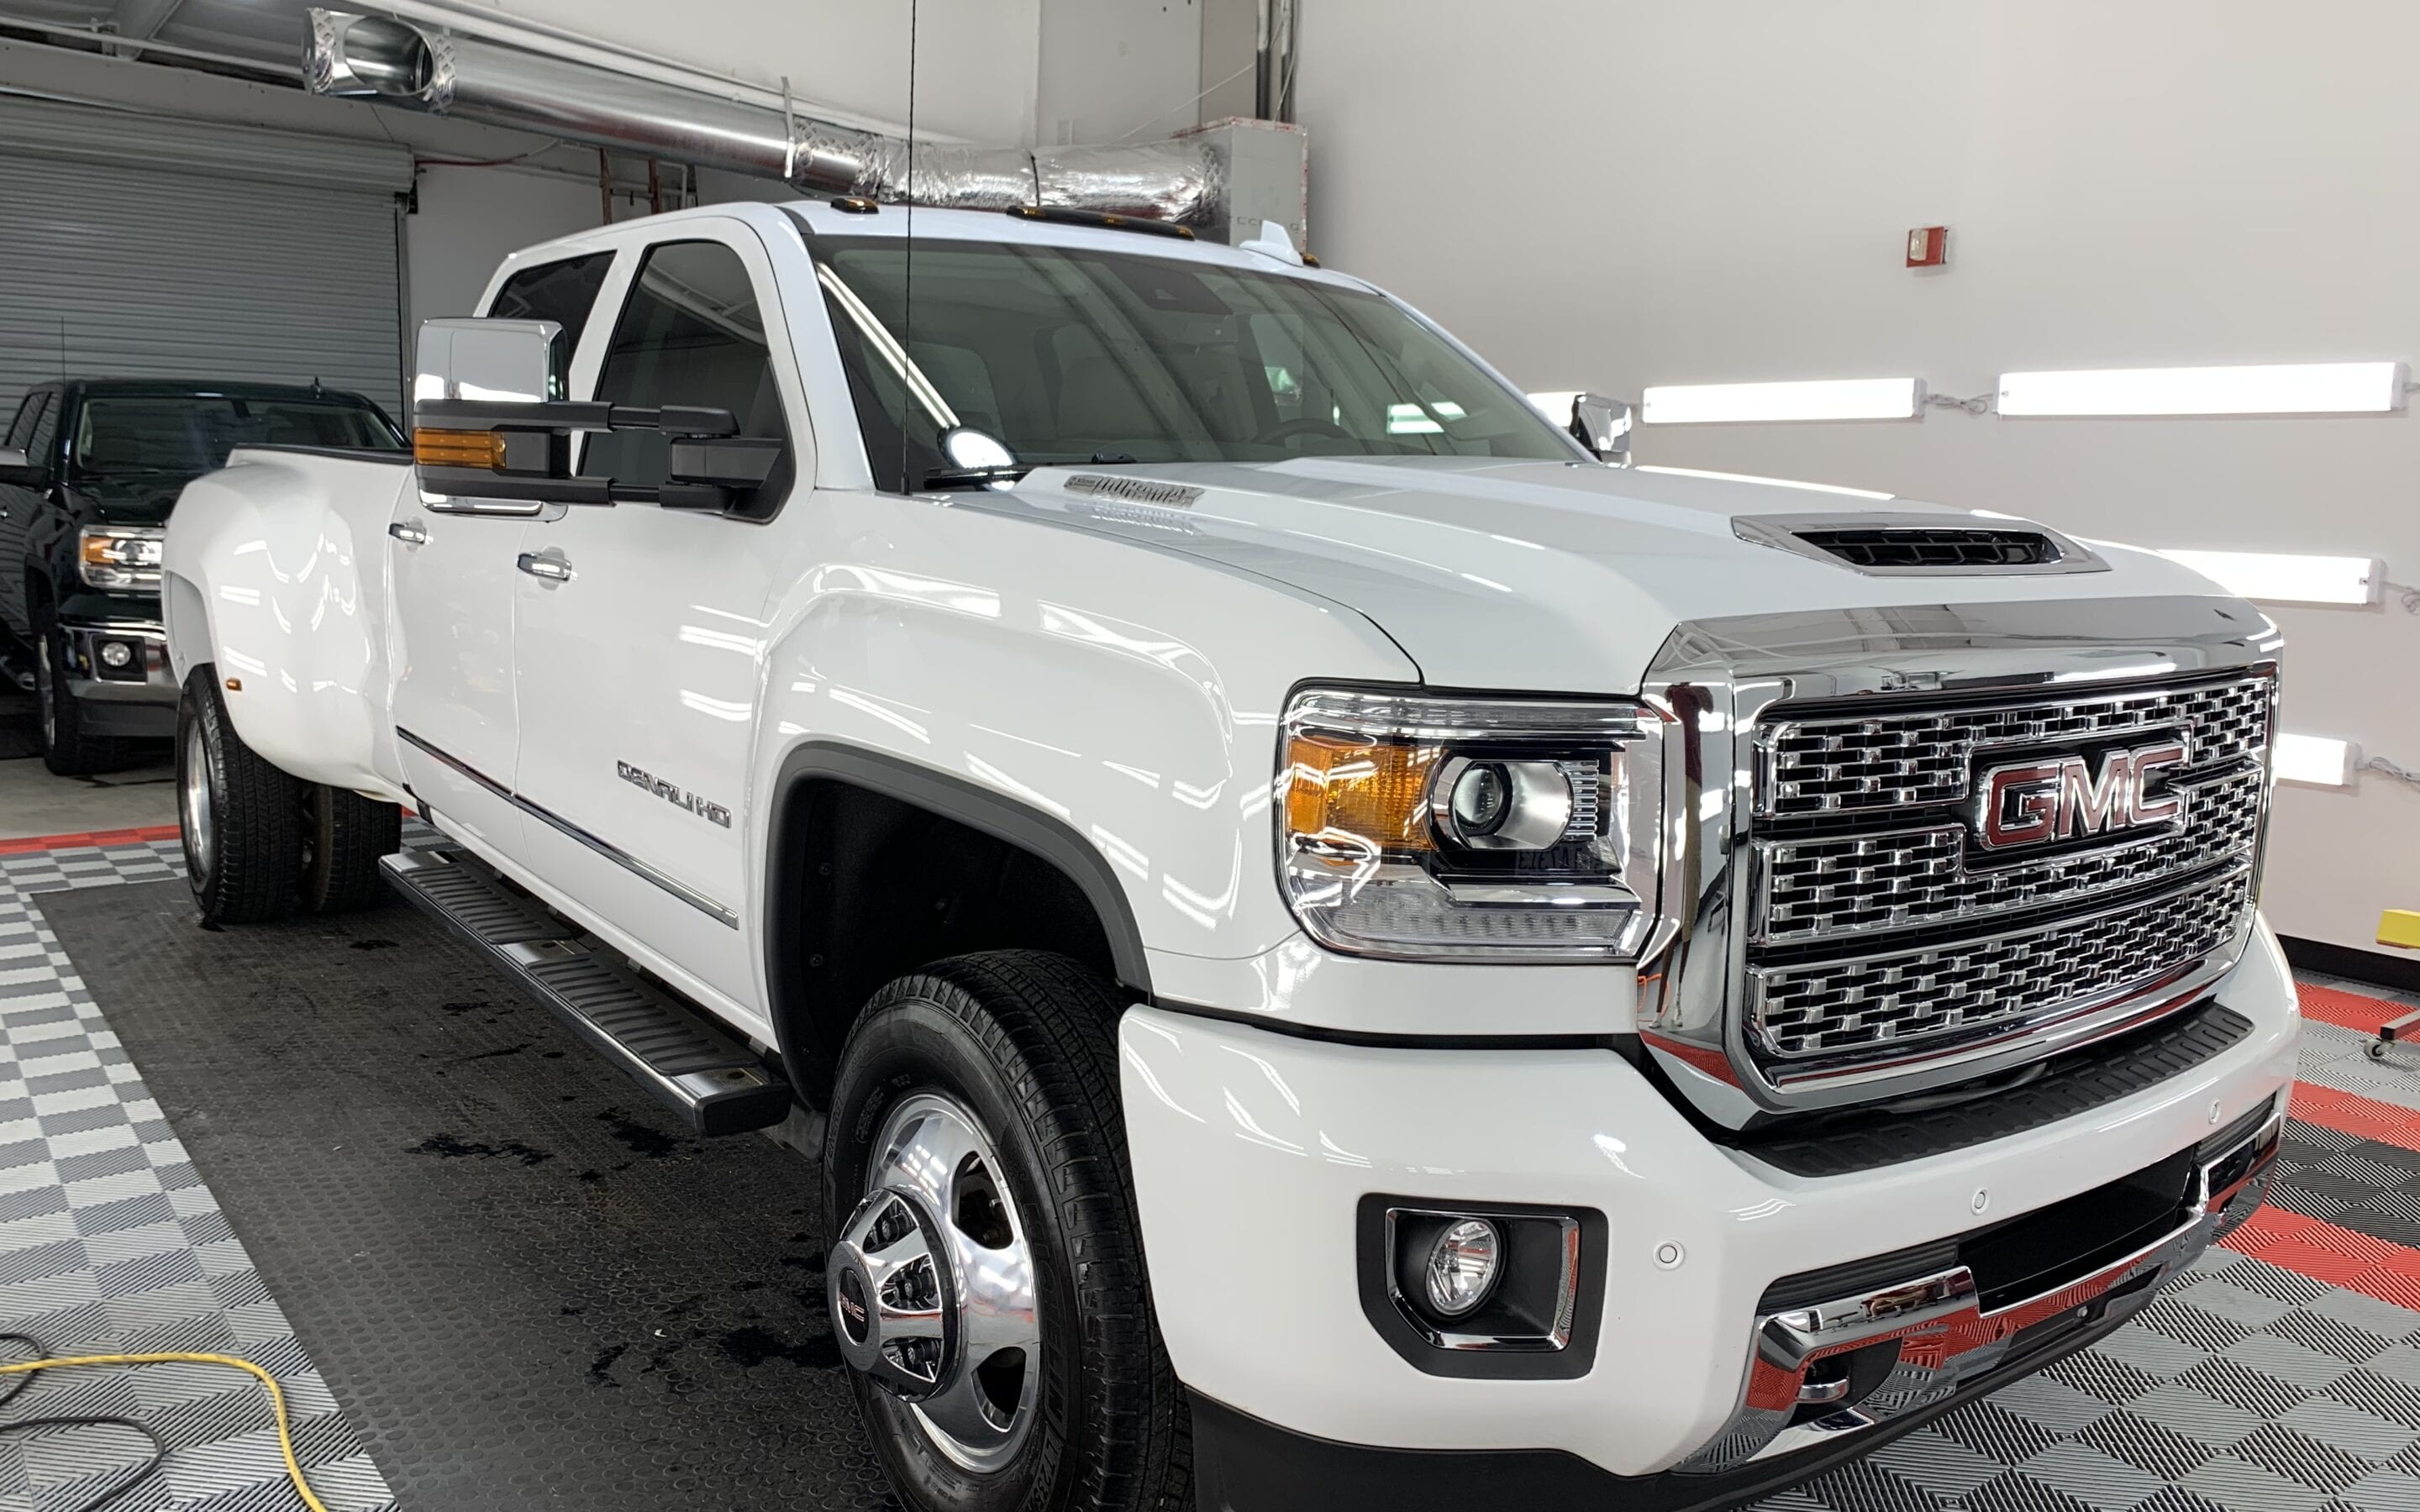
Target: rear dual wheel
986	1274
258	840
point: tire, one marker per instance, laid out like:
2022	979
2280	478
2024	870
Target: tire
1024	1043
68	748
343	835
241	818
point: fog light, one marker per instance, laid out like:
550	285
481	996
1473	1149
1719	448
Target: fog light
115	654
1462	1266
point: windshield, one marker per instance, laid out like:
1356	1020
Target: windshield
1073	356
191	433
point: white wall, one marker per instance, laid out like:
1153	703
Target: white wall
975	70
1618	193
1110	69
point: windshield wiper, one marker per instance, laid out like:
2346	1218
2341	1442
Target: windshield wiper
976	477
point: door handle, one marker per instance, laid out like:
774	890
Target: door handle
551	569
410	531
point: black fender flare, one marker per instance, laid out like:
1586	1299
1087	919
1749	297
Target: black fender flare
1045	836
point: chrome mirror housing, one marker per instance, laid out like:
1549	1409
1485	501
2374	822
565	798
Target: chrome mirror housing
1602	425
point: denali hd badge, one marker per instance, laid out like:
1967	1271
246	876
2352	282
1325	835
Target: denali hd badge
713	813
2036	802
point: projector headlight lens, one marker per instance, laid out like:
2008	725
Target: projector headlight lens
1445	830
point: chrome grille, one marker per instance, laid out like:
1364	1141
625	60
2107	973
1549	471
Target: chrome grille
1874	1002
1899	879
1861	764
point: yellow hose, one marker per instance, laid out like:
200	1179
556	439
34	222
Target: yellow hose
277	1398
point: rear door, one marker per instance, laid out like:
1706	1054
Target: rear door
456	706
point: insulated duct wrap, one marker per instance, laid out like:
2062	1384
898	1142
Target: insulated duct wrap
401	63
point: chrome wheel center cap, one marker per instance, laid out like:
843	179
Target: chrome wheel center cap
932	1286
894	1296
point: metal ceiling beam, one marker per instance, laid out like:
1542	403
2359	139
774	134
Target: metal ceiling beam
140	21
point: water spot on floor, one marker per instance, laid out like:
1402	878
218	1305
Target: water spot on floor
598	1367
592	1177
751	1347
451	1147
637	1136
491	1054
373	945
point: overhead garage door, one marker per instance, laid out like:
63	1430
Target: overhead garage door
134	246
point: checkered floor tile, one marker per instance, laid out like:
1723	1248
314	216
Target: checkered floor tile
2281	1375
110	1244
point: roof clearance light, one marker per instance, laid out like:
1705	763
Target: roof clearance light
1701	403
2277	577
2316	761
2281	389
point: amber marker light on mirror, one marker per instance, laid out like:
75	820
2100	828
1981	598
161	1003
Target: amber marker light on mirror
458	448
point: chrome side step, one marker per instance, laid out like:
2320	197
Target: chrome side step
708	1075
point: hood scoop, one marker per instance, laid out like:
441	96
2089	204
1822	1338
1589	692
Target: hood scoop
1894	546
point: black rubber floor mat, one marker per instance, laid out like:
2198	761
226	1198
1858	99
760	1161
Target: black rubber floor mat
527	1284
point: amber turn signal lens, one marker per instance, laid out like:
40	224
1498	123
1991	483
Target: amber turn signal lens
458	448
1338	785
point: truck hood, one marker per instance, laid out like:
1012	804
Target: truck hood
1546	577
132	501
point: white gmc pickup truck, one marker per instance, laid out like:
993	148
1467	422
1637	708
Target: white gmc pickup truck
1352	949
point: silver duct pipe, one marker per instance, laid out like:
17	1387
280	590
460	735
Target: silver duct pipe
402	63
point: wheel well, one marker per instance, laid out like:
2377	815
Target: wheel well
869	883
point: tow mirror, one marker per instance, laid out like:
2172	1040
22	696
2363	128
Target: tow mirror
509	361
1602	425
521	450
15	468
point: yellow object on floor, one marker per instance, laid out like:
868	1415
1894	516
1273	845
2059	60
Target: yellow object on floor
277	1398
2400	928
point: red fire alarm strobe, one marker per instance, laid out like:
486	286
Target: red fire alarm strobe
1928	246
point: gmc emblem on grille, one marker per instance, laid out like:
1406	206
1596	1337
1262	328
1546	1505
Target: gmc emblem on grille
2036	802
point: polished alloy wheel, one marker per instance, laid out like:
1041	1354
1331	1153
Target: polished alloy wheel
932	1285
194	800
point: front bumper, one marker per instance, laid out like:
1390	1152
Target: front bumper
137	699
1252	1149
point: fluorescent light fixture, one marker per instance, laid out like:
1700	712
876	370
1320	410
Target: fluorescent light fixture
2279	577
2283	389
1770	483
1701	403
2318	760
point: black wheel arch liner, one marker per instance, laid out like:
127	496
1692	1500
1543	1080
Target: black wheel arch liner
1043	836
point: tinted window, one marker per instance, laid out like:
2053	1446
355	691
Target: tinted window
691	334
192	434
45	444
562	292
21	432
1077	356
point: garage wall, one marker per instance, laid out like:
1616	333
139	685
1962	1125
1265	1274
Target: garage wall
469	218
975	75
1719	190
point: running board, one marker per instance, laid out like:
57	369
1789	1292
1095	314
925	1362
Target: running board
709	1076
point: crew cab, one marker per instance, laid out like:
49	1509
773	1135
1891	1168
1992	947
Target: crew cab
1348	946
87	472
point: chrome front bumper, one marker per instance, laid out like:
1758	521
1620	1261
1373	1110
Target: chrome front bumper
1943	1337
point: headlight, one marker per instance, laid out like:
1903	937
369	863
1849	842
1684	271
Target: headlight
122	556
1467	829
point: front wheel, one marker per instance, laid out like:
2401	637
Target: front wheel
985	1275
241	818
68	748
344	834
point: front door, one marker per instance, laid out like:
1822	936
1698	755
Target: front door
19	504
641	628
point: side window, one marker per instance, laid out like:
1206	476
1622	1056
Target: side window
46	429
691	334
562	292
21	432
